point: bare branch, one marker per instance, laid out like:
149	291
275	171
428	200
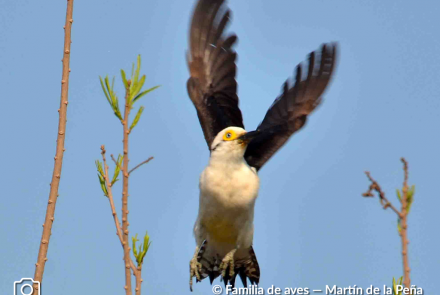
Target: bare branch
56	175
374	186
139	165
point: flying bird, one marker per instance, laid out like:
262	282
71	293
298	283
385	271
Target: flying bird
229	184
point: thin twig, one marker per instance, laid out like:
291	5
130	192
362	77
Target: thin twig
144	162
112	204
56	175
404	229
374	186
405	171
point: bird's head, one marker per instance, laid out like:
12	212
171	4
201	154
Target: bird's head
232	141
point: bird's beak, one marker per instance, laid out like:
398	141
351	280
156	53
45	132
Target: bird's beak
248	136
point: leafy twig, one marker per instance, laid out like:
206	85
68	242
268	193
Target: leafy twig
139	255
108	189
406	200
132	94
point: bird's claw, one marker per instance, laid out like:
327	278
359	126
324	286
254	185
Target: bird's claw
228	261
195	268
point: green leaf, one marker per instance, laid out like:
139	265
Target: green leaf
117	112
395	283
139	257
101	177
105	91
138	88
115	107
410	197
117	169
144	92
110	95
399	227
398	195
109	90
136	118
147	243
135	78
145	247
103	187
124	79
113	94
135	252
114	97
134	239
138	68
140	253
99	167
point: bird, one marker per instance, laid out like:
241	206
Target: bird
229	184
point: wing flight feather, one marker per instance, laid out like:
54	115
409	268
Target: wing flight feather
211	60
290	110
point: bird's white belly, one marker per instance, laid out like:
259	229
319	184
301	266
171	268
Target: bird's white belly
227	199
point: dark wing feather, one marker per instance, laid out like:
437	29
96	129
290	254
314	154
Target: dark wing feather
211	60
289	111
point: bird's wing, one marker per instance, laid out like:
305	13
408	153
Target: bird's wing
211	60
289	111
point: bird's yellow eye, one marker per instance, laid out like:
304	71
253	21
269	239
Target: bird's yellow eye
229	135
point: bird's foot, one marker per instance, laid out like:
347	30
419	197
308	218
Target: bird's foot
228	261
195	268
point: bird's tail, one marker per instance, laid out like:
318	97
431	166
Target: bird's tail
245	267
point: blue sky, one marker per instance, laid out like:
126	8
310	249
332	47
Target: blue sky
312	226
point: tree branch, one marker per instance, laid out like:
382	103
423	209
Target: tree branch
404	229
125	193
139	165
112	204
374	186
138	280
132	88
56	175
402	216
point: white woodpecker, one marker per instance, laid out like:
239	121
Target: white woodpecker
229	184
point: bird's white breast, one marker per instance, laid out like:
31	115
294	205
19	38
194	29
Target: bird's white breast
231	185
227	197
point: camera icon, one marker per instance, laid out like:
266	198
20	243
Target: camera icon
25	287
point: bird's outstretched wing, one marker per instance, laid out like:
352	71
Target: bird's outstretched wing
211	60
289	111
